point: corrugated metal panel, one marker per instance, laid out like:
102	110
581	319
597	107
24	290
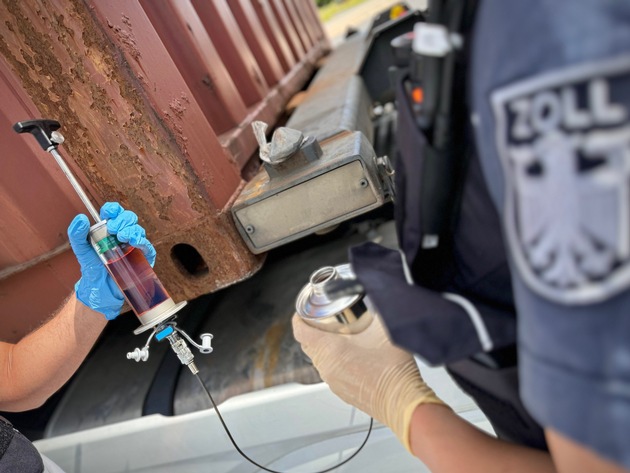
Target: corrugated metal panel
182	33
35	264
252	30
287	27
303	18
272	28
219	22
155	101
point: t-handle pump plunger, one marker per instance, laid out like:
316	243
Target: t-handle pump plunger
46	134
127	265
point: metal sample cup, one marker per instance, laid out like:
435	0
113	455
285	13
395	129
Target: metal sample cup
348	314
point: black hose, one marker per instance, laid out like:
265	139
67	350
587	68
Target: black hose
238	449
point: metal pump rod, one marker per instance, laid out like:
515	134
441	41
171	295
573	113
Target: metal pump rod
45	131
77	187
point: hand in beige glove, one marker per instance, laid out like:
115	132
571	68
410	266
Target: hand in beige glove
369	372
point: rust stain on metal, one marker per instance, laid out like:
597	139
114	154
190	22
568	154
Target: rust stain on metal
273	340
255	187
267	358
178	105
57	86
221	248
74	74
173	119
92	72
126	37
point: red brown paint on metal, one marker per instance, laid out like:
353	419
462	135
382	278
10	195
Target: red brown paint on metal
170	101
275	33
187	42
300	18
220	24
36	205
257	40
298	25
310	17
119	147
35	196
36	200
217	18
287	27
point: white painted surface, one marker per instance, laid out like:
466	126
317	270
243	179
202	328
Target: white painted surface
292	428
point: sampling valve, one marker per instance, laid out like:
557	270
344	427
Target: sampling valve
174	334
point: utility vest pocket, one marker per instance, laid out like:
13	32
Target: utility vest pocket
428	188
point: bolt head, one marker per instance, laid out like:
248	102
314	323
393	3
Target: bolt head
57	137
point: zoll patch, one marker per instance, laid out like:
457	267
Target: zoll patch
564	142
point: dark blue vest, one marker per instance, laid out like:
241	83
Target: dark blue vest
540	243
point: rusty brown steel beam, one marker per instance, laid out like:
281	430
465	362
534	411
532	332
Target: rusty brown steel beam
134	133
153	117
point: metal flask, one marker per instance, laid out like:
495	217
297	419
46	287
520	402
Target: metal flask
347	314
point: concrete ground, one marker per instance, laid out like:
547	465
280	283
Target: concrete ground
361	15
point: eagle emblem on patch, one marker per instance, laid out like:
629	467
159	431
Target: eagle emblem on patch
564	142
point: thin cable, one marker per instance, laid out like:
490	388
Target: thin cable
244	455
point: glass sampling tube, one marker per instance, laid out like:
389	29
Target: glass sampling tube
133	274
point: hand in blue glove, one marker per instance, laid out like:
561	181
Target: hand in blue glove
96	288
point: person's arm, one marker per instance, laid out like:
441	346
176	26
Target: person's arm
39	364
446	443
42	362
369	372
571	457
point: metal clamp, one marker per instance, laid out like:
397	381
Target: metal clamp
386	174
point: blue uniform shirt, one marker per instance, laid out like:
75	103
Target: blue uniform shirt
550	95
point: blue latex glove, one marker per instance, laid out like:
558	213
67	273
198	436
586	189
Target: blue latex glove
96	288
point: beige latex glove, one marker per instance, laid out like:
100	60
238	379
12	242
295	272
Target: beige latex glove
369	372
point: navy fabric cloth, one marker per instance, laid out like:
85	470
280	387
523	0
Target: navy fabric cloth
419	319
17	453
418	316
428	320
551	104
